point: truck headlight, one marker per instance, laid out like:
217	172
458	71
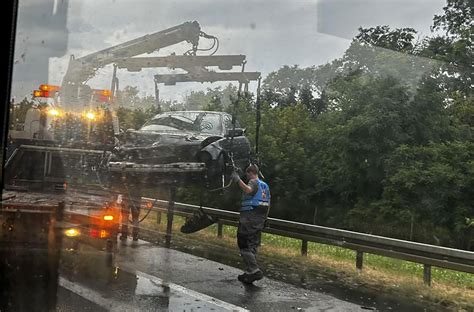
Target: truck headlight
72	232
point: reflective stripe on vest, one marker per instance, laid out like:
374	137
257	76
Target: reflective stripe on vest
261	197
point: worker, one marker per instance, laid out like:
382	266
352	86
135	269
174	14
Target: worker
130	203
253	214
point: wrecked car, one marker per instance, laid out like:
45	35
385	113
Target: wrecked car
184	142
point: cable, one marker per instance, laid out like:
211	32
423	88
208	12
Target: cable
130	200
217	48
148	212
193	50
214	46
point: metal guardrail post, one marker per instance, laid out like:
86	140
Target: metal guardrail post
169	225
304	247
427	274
359	260
219	229
158	217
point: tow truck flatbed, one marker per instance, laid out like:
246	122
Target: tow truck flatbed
84	218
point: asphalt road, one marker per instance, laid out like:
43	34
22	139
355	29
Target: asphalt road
145	277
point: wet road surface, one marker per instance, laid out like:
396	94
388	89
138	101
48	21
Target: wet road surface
146	277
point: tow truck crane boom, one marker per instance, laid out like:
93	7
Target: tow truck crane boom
224	62
84	68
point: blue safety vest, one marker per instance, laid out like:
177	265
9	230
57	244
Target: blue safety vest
261	198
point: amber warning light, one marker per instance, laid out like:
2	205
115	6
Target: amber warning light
46	91
108	218
104	96
51	88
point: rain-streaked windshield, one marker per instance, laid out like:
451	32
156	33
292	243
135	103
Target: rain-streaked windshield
237	155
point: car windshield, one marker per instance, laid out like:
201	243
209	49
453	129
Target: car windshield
202	122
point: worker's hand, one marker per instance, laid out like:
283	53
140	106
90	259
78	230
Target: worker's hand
239	171
235	176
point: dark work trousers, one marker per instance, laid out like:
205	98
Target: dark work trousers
131	204
251	224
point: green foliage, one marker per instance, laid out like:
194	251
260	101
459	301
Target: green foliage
288	85
134	119
217	99
400	39
435	184
129	98
287	145
18	113
455	48
379	141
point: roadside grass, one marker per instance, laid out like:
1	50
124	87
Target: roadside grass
449	288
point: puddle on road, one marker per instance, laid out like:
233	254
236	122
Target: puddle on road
90	276
86	279
309	279
113	288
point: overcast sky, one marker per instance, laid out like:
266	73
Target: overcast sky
271	33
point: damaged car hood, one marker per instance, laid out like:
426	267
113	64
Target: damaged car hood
137	139
159	147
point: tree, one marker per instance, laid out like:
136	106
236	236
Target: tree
18	113
385	52
400	39
288	85
455	48
378	140
129	98
217	99
434	184
133	111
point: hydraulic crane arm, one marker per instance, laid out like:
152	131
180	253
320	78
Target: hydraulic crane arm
224	62
172	79
82	69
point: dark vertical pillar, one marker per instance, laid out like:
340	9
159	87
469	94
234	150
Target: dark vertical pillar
304	247
169	225
359	260
427	274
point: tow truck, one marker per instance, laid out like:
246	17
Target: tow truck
53	197
81	117
126	56
78	127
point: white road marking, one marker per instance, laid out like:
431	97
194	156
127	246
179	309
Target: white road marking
113	305
192	293
94	296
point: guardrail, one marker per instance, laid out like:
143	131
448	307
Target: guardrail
428	255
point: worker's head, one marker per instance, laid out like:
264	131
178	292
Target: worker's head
252	172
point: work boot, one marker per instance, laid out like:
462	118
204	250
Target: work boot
241	277
250	278
135	237
197	222
123	237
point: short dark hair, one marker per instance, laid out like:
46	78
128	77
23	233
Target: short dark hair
252	169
